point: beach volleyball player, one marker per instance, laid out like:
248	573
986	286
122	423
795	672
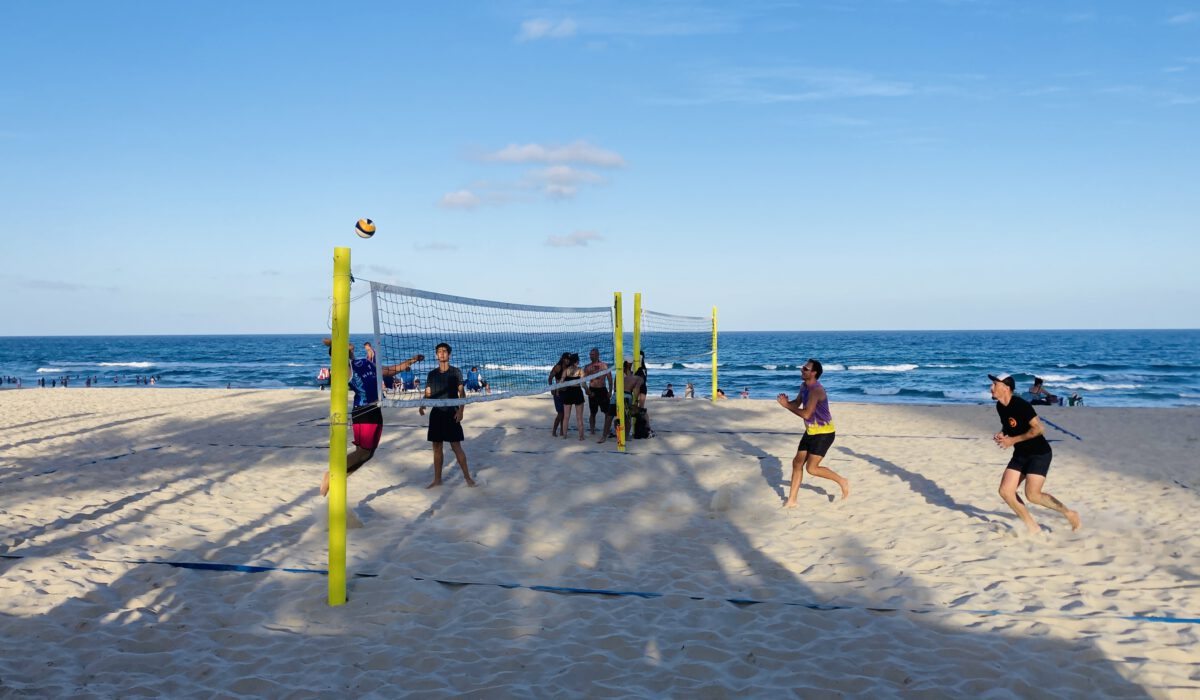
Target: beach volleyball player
445	422
812	404
1021	430
366	416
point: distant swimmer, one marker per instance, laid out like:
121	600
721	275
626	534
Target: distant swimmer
445	422
1021	430
812	404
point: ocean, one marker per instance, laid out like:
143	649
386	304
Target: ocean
1105	367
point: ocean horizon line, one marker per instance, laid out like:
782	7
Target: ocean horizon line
629	331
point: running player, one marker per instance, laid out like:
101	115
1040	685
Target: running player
812	404
1021	430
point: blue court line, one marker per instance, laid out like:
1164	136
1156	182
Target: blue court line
647	595
1060	428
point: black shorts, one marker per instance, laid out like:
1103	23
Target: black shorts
443	427
816	444
367	414
1031	464
598	400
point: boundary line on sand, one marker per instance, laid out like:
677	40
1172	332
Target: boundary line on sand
1060	428
648	595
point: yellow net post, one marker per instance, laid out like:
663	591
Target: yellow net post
637	356
619	361
714	355
339	371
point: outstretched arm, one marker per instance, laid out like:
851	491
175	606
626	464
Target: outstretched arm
393	370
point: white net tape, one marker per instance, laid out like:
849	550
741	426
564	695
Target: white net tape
512	347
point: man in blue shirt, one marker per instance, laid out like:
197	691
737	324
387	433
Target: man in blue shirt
366	416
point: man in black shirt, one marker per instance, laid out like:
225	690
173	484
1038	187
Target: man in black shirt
1021	430
445	422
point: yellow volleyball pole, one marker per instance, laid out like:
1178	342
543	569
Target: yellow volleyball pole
619	361
637	331
339	371
714	355
637	357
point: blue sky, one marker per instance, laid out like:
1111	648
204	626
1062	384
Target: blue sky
170	167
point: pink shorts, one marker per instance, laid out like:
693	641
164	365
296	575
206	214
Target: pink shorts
367	435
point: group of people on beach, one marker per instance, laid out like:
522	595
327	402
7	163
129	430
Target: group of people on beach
593	385
445	422
1020	429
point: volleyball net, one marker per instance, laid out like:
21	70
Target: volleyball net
503	350
673	342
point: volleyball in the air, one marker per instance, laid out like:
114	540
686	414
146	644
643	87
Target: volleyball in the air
365	228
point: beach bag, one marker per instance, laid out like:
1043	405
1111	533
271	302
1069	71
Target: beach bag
641	425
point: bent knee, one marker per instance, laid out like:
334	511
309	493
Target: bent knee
813	467
1007	494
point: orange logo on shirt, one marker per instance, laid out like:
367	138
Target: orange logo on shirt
1012	422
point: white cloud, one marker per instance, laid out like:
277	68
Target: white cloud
576	239
791	84
562	181
1184	18
577	152
462	199
562	177
533	29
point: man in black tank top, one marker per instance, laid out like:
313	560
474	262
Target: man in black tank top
1021	430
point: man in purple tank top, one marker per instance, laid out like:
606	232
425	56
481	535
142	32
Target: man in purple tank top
812	404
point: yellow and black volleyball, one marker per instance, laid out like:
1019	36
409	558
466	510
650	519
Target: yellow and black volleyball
365	228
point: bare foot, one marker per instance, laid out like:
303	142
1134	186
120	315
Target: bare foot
1073	518
436	483
601	441
471	482
845	489
325	489
790	504
581	437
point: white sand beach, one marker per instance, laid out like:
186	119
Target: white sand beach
918	584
